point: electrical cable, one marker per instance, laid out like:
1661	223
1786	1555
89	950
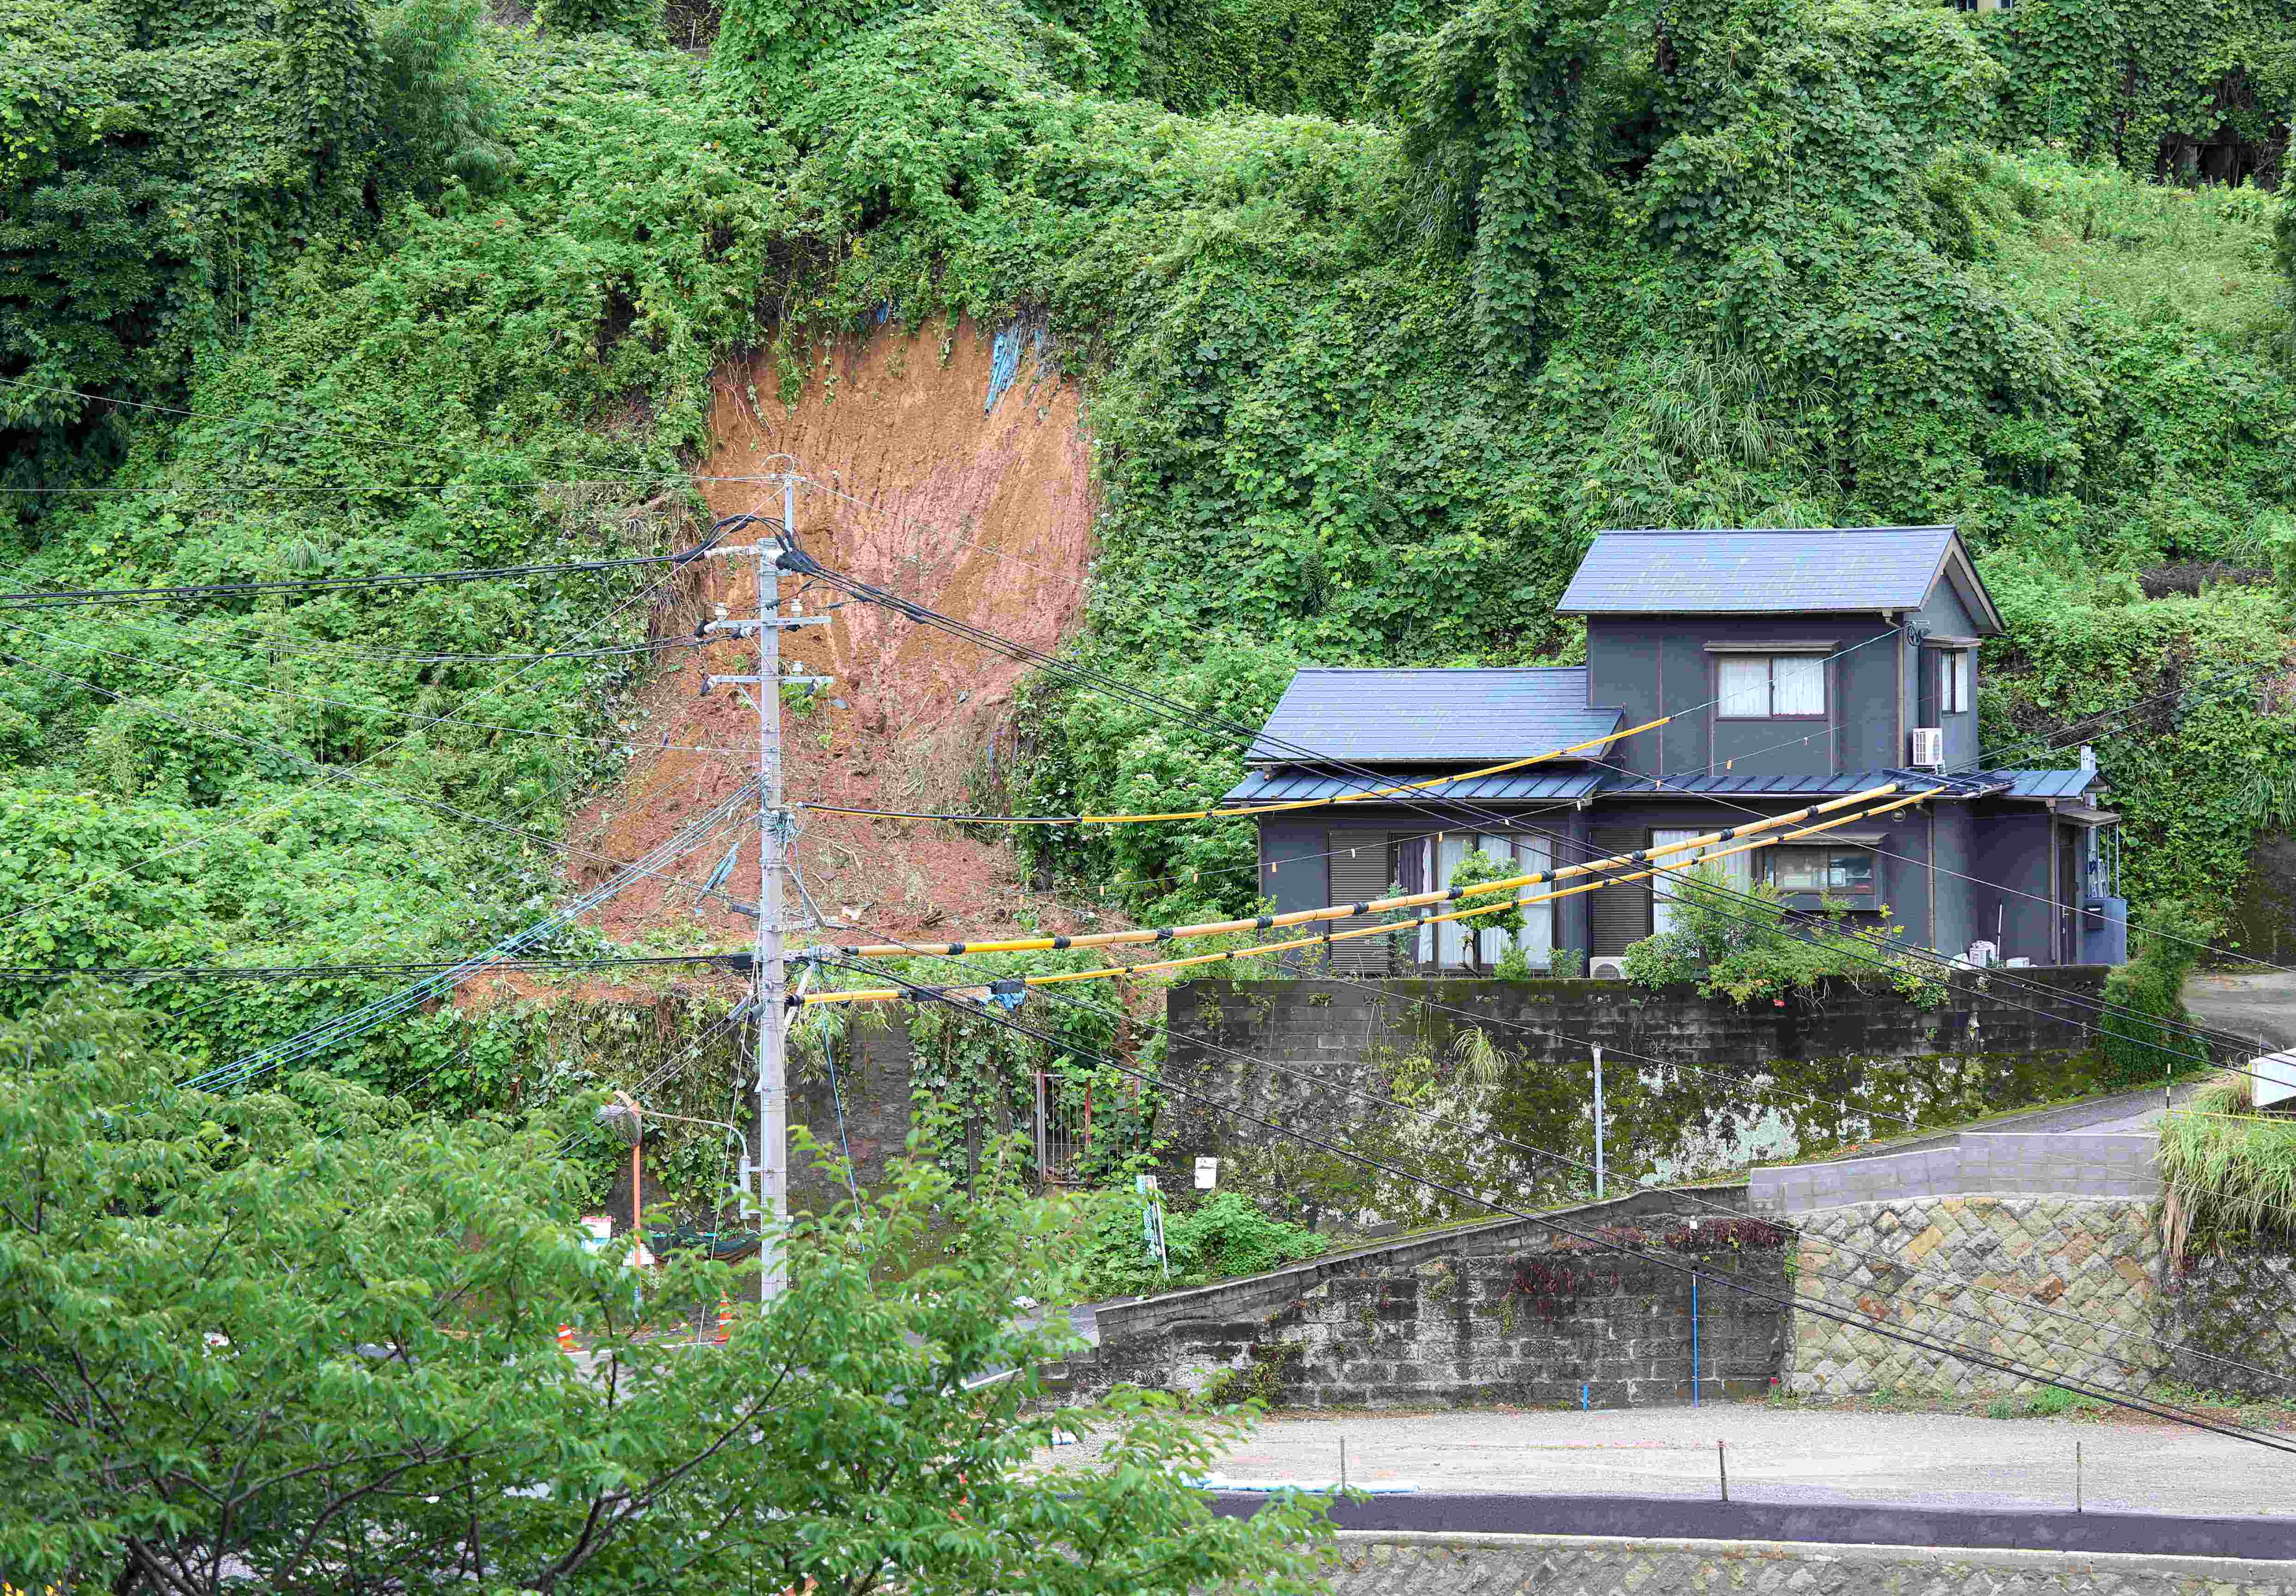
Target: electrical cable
623	745
137	973
202	841
1597	1240
1157	704
1687	1194
59	598
357	1022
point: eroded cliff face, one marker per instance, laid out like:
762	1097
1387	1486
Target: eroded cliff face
952	467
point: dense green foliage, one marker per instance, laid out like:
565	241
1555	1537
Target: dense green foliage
2148	1036
1384	309
317	1327
1737	945
1217	1239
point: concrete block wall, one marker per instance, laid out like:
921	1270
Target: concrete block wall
1507	1312
1845	1066
2073	1164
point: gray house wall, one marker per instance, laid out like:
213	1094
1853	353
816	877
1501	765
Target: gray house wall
1943	614
2011	853
1902	856
1295	869
1649	666
1955	921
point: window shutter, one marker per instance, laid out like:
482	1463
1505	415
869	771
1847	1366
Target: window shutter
1358	875
1620	915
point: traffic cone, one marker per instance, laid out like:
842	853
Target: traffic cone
566	1341
725	1320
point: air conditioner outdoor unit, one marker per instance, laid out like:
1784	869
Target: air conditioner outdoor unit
1607	969
1929	747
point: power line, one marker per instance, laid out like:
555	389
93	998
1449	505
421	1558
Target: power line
138	973
64	598
1157	704
1596	1240
123	873
2024	1305
394	712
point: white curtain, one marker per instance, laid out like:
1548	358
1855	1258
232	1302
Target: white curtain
1526	854
1737	872
1744	681
1451	935
1797	684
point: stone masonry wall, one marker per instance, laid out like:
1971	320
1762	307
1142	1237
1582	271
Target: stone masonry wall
1388	1563
1506	1312
2069	1285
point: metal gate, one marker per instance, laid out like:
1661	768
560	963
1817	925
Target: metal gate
1063	1130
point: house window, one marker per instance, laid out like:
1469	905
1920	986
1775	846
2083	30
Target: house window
1953	682
1770	687
1836	869
1446	945
1669	887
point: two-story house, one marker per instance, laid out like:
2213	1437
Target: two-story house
1795	666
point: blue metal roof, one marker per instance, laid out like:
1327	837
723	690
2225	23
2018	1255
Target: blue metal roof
2046	783
1556	784
1438	716
1736	786
1660	572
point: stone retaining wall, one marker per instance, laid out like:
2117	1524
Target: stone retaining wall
2067	1284
1393	1563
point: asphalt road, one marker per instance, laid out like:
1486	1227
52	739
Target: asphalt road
2259	1004
1777	1455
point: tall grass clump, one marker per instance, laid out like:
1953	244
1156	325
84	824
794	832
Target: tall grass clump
2228	1172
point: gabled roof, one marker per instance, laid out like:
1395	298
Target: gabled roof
1559	783
1430	716
1768	571
2033	784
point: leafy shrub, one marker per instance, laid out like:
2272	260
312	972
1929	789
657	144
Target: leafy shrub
1749	947
1222	1238
2143	1038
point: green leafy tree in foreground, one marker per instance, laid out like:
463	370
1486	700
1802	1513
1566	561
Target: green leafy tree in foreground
301	1340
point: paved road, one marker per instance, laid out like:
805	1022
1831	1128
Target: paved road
2123	1111
2259	1004
1777	1455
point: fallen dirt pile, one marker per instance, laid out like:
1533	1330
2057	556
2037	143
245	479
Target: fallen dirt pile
954	469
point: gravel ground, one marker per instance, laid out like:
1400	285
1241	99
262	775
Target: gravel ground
1776	1454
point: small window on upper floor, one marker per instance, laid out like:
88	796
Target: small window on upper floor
1964	4
1953	674
1770	687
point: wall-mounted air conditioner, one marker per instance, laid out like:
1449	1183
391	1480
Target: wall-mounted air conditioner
1607	969
1929	747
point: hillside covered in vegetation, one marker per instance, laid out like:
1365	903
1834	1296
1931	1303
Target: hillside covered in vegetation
1382	310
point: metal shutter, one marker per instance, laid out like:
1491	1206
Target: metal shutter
1620	915
1358	875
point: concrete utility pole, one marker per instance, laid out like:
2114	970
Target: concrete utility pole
772	980
772	983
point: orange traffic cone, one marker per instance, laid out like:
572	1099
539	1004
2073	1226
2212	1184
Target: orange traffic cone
566	1341
725	1320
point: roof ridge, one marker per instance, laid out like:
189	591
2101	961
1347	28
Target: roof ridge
1760	531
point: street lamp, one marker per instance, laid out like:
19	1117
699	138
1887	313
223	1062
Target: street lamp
626	1117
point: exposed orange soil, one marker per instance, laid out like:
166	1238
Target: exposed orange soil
983	514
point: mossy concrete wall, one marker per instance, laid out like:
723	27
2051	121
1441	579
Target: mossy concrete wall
1692	1086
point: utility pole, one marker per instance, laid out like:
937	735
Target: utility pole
772	983
773	979
1598	1124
